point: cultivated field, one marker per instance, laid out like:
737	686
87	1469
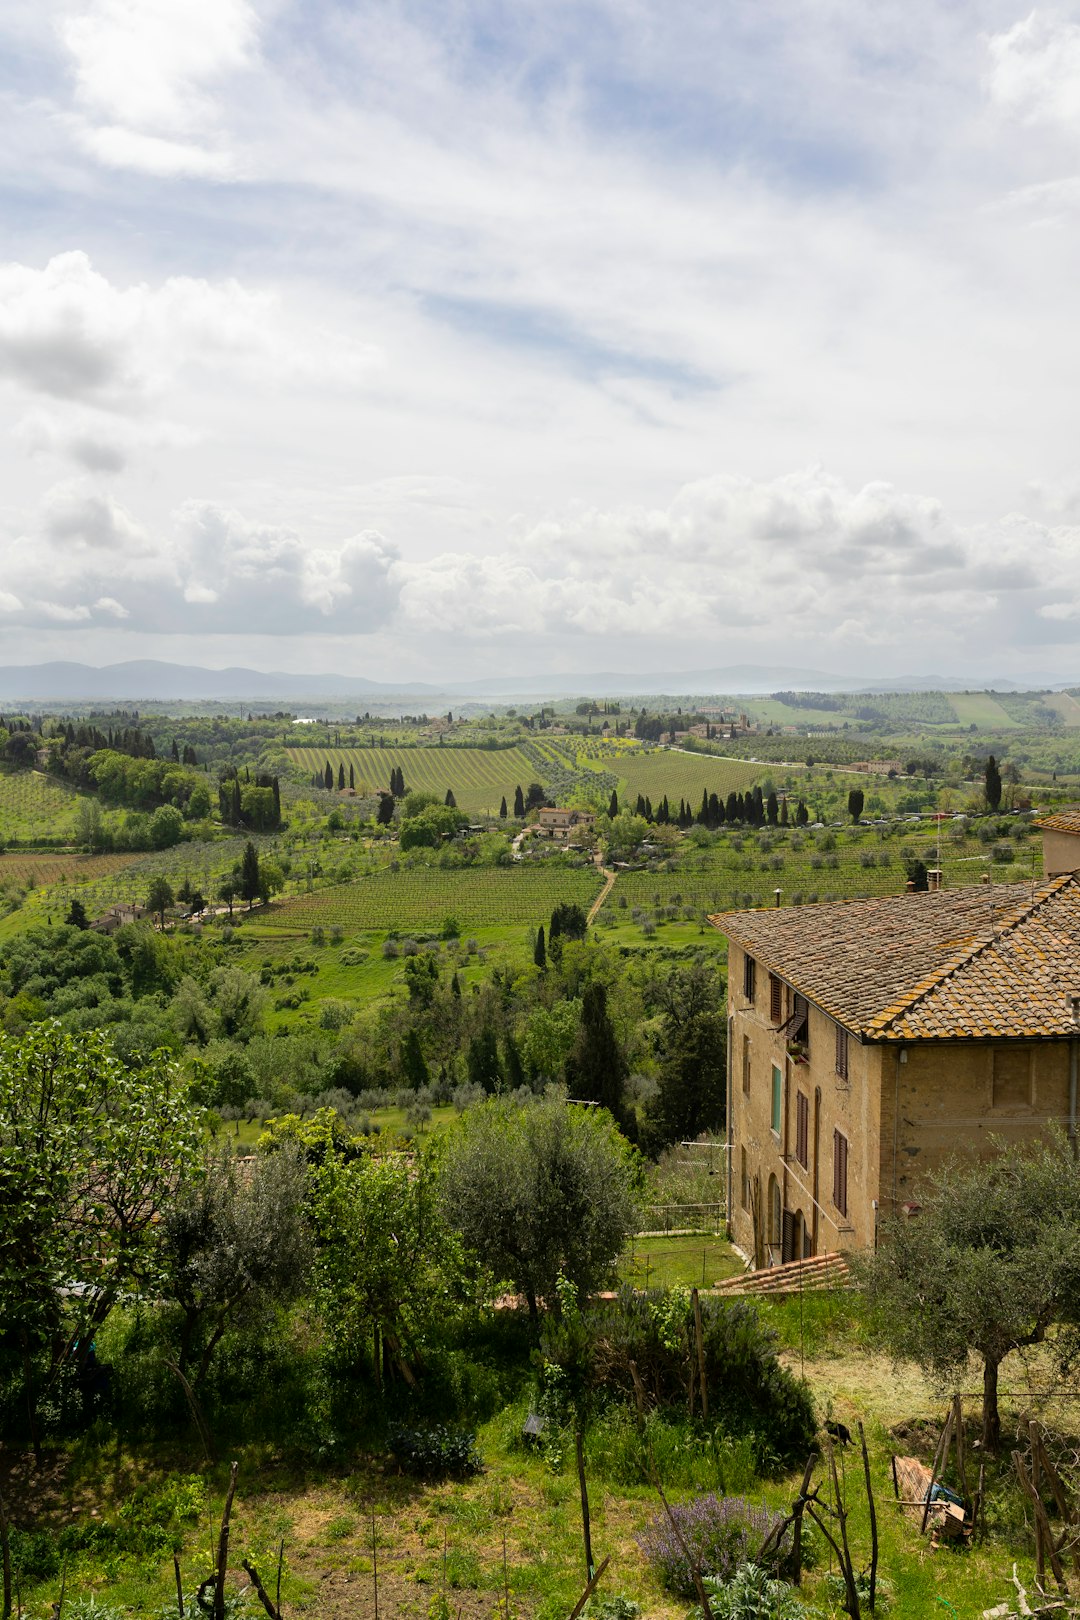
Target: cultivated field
33	805
679	775
478	777
40	870
422	899
980	709
1066	706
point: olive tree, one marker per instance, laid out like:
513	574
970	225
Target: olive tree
988	1265
92	1154
236	1240
540	1191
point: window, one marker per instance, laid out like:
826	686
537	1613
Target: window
746	1065
802	1129
776	1212
777	1098
744	1180
841	1052
800	1021
839	1171
1012	1076
748	978
776	999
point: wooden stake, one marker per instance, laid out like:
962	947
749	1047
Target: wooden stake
5	1561
961	1461
223	1547
939	1456
375	1562
589	1590
179	1587
873	1516
585	1528
699	1337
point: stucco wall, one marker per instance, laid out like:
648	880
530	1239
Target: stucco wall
1061	852
947	1107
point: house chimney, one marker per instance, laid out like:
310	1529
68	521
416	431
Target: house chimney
778	893
986	877
910	887
935	879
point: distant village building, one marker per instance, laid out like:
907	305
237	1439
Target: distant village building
872	1040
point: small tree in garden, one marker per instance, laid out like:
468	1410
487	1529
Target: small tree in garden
992	783
159	898
988	1265
855	802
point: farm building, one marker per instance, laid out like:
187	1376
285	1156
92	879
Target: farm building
1061	841
117	916
554	823
872	1040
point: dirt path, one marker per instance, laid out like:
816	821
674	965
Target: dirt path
594	909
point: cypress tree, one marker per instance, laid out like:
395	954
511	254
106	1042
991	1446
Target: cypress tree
519	803
341	778
450	801
613	805
539	949
328	777
703	813
249	873
237	809
502	809
992	781
352	777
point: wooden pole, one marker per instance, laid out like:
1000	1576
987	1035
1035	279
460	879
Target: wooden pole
5	1561
375	1562
873	1516
585	1528
223	1547
179	1587
699	1338
590	1588
939	1456
961	1460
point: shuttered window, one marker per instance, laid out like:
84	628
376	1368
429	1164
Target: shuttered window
802	1129
776	999
746	1065
777	1098
841	1052
749	977
839	1171
744	1180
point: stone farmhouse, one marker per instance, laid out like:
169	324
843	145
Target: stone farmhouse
553	823
872	1040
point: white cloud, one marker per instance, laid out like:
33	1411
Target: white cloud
69	332
1035	70
146	72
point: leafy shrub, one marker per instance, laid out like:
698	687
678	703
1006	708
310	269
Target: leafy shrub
754	1594
749	1390
436	1453
720	1533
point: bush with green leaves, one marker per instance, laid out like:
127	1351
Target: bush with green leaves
436	1453
717	1534
749	1390
753	1594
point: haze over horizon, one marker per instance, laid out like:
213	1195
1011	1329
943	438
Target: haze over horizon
604	336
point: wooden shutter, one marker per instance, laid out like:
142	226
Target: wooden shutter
776	999
841	1052
840	1158
749	976
802	1129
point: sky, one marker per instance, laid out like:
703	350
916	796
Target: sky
457	338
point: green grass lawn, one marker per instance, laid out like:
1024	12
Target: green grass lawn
696	1261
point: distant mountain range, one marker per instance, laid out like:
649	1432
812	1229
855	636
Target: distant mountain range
148	680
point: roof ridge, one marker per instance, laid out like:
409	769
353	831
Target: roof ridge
882	1022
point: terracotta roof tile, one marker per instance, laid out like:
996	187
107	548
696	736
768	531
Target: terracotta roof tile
991	961
1066	821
